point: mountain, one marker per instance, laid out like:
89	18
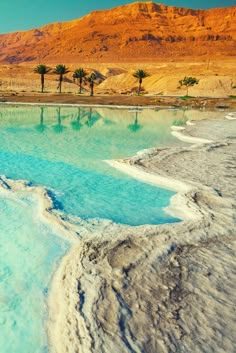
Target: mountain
141	31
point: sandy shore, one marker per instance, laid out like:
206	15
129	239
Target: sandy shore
113	100
167	288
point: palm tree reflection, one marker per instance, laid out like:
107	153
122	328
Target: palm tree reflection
93	117
135	126
41	126
58	128
76	124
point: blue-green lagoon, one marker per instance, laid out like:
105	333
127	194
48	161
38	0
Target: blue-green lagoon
63	149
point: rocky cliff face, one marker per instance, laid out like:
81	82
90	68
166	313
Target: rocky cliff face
136	32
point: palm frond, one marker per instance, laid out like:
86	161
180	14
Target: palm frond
140	74
42	69
79	73
61	70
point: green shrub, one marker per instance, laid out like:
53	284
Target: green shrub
184	98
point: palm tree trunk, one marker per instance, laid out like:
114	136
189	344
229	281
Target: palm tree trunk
80	85
187	90
60	82
139	87
91	86
42	83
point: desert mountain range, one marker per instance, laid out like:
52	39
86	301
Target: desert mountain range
139	32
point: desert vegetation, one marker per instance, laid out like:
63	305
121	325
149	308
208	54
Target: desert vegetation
188	82
42	70
118	79
91	80
140	75
60	70
80	75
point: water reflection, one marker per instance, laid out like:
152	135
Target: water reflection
181	121
93	117
135	126
58	128
76	124
106	133
41	126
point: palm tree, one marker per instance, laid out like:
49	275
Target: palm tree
61	70
80	74
42	70
140	75
91	80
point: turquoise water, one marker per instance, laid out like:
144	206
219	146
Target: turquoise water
28	250
63	149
